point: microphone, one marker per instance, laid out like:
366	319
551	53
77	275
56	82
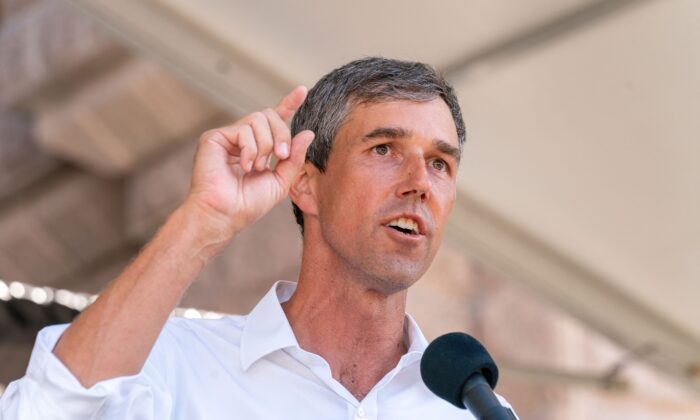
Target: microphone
458	369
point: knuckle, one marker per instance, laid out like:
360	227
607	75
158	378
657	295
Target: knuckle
249	149
258	116
246	134
208	135
265	146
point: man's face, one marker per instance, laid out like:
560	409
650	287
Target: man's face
388	188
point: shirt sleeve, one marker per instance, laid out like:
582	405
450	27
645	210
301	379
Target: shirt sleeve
49	391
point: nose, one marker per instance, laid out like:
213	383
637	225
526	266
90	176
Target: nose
415	180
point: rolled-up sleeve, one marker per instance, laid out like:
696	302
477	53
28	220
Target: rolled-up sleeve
50	391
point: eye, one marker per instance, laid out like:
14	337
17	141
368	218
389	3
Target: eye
439	165
381	149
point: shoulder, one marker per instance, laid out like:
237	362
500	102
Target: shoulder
177	330
192	333
185	345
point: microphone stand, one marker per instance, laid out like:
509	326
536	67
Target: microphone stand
482	402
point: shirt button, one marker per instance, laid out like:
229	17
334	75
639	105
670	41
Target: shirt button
360	412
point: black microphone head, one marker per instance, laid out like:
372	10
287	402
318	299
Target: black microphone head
450	360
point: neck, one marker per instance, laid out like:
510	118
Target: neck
357	330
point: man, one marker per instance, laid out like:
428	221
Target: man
372	194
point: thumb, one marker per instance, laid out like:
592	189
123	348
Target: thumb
287	169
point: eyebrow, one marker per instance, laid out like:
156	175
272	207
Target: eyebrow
398	133
448	149
388	133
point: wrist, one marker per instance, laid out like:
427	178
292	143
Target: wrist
208	232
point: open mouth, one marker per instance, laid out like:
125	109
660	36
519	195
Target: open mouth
404	231
405	226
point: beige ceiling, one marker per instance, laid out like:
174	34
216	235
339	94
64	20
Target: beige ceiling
304	39
580	171
592	144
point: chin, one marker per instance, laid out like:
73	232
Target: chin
391	280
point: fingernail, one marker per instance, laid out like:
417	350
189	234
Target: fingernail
282	150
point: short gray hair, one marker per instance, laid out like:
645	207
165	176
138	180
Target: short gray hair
368	80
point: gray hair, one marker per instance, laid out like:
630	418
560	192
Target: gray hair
368	80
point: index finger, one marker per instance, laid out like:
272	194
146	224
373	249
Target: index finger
290	103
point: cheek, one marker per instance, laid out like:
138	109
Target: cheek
444	202
344	199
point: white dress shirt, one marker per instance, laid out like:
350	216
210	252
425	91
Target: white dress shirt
237	367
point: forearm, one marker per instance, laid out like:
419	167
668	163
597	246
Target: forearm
114	336
232	186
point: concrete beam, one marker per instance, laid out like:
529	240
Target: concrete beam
154	191
115	121
9	8
49	47
48	235
517	44
220	70
94	276
21	161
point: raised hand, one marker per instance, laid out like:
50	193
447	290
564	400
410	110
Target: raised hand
232	186
232	182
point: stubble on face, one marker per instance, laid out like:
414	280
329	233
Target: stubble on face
385	268
359	190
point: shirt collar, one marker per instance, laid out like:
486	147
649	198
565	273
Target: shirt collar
416	340
267	328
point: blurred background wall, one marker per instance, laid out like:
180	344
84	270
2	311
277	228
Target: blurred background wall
572	252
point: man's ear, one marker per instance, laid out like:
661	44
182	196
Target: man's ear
303	189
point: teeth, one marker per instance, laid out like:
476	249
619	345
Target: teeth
405	223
